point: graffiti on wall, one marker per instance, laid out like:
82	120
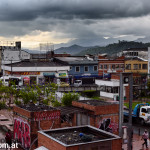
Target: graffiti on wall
108	125
38	116
22	132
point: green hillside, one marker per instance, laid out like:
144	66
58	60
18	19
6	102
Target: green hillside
114	48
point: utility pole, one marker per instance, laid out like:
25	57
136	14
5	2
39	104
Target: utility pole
130	112
121	105
129	129
11	67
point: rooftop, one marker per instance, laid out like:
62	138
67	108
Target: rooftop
95	102
70	136
71	110
34	107
77	60
136	49
36	64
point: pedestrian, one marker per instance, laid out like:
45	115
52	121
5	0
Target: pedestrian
8	138
145	138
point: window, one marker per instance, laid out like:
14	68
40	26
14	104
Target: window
95	68
139	66
122	66
105	66
77	69
128	66
70	67
86	68
135	66
144	66
100	66
113	66
144	110
115	90
117	66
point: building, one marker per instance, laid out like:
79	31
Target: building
70	139
107	66
100	114
111	88
137	66
38	71
136	52
31	118
81	68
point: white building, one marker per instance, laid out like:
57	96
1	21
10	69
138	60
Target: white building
110	89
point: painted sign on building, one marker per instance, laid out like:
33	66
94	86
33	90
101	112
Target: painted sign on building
62	75
22	132
23	73
46	116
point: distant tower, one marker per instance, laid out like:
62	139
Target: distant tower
47	49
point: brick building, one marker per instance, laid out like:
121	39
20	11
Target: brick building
70	139
28	119
110	65
100	114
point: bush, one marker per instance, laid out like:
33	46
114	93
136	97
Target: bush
56	103
2	105
89	93
17	102
69	97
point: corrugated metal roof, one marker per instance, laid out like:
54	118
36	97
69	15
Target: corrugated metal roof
36	64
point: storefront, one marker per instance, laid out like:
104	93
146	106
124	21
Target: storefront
41	73
49	77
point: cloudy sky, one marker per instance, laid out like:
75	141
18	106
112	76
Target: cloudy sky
66	22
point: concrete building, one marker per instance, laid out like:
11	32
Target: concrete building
136	52
70	139
38	71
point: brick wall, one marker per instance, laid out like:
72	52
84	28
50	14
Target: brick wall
53	145
101	114
34	121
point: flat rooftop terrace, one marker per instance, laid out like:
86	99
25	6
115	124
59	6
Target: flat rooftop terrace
97	102
70	136
34	107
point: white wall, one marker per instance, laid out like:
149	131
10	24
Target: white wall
107	83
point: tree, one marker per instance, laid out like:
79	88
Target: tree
69	97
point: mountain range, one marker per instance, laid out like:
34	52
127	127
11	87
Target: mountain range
109	49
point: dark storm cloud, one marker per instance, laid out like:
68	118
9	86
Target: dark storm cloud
69	9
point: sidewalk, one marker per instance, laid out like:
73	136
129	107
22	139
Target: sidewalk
137	143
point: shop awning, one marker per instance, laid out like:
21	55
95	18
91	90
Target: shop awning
49	74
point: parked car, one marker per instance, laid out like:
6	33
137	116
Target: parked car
64	84
77	83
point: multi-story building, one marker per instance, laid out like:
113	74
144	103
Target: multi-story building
108	65
139	68
135	52
83	68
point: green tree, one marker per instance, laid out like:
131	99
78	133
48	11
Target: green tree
69	97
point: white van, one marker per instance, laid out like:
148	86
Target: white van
5	80
77	83
18	81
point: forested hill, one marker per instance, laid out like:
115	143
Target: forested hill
114	48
